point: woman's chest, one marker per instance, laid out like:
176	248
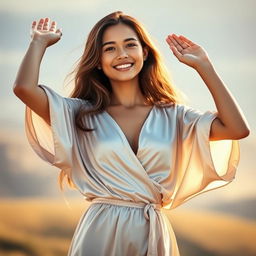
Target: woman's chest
130	122
130	140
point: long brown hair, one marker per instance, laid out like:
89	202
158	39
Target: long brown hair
93	85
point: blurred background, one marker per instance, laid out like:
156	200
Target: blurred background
35	217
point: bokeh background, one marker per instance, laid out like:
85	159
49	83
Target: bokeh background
35	217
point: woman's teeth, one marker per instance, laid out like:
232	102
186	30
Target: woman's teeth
123	66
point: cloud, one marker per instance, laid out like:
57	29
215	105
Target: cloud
245	66
22	172
35	7
11	57
17	181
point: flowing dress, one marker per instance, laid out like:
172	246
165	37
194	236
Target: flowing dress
175	161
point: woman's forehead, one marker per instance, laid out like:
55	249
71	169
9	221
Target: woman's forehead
118	32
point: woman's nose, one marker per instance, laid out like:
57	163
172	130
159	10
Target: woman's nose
122	54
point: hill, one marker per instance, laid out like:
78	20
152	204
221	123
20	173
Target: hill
245	208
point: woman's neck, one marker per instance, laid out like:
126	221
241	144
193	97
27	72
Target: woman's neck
126	93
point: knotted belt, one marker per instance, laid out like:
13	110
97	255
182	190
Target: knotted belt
149	213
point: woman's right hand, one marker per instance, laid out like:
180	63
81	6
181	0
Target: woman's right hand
42	32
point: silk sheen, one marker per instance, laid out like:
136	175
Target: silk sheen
175	161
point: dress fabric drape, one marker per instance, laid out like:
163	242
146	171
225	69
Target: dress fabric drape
175	161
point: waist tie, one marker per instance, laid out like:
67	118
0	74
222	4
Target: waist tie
149	213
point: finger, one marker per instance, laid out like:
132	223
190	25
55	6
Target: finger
46	24
33	28
168	40
33	25
53	26
171	44
173	48
40	24
176	53
187	40
181	42
176	44
59	31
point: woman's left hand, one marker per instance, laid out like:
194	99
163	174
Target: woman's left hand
187	51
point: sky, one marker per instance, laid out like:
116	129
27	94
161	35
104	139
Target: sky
225	29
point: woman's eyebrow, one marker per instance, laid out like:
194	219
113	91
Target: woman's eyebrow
125	40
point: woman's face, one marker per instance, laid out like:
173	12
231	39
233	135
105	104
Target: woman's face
122	54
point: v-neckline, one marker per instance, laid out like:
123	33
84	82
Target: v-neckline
123	134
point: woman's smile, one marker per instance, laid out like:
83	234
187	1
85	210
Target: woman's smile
124	67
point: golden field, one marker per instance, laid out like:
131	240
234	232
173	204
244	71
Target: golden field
44	227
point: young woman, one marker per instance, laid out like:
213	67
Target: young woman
124	138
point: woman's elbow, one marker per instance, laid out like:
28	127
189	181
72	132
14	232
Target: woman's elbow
242	134
18	90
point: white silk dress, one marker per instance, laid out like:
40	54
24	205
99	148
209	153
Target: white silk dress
175	161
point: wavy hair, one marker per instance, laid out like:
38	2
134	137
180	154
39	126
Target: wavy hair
93	85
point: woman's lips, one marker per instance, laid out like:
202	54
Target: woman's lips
123	67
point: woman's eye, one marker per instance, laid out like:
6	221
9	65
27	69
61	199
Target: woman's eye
109	49
131	45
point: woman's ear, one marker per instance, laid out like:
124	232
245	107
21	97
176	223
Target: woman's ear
145	53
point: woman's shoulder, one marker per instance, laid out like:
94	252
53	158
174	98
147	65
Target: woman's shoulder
181	107
179	111
172	107
77	103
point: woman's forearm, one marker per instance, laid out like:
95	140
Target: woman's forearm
28	74
229	112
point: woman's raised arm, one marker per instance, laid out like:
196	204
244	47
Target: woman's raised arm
26	84
230	123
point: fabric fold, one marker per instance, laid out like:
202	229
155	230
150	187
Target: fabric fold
54	143
203	165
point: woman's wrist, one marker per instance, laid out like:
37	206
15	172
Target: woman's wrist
204	65
38	43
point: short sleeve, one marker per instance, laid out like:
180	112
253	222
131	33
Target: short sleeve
202	165
54	143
